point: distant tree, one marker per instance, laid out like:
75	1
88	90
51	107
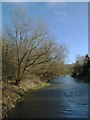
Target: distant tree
77	68
80	59
86	59
86	64
82	68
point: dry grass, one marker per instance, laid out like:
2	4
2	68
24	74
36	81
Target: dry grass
12	93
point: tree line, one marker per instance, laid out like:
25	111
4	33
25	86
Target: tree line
82	66
29	48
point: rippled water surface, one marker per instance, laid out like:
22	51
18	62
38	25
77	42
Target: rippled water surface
66	97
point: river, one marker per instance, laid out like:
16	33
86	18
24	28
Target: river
66	97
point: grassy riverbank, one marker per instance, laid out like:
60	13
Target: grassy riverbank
13	94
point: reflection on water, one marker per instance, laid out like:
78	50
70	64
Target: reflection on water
66	97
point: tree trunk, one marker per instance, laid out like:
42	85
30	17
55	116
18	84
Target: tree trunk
18	75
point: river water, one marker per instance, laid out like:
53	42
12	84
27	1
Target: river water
66	97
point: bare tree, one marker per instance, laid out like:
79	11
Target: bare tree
27	40
80	58
31	43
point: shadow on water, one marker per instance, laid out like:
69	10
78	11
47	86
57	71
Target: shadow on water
66	97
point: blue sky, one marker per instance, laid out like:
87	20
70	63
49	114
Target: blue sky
68	21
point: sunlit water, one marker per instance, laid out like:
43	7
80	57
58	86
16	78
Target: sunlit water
66	97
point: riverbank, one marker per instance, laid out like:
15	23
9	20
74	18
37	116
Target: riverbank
83	78
12	94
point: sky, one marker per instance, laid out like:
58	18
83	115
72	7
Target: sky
67	21
44	0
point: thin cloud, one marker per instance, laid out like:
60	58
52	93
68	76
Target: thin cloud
58	9
56	3
62	17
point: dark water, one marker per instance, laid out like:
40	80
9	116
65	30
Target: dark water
66	97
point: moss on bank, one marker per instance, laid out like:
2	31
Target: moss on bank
13	94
